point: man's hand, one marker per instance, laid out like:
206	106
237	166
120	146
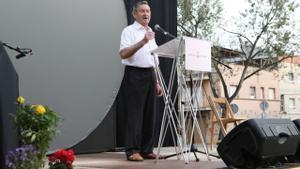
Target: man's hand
129	51
149	36
159	91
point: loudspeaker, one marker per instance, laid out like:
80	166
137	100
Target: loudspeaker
296	157
259	142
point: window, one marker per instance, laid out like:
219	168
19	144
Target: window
262	92
232	89
291	77
252	93
271	93
282	102
292	103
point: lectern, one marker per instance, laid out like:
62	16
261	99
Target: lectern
191	58
9	92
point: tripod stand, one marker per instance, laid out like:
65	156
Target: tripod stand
188	54
192	149
176	118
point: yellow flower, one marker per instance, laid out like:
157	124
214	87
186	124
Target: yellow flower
21	100
39	109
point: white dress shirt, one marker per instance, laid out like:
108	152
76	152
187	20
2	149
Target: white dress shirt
142	58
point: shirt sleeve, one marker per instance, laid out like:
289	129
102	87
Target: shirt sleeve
125	39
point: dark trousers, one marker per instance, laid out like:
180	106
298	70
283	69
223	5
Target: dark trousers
138	90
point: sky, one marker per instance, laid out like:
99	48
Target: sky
233	7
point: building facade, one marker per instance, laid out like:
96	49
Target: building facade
289	71
261	87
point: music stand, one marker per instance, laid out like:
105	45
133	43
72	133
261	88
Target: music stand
184	51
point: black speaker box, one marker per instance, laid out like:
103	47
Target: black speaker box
296	158
259	142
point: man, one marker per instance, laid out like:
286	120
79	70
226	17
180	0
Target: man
139	84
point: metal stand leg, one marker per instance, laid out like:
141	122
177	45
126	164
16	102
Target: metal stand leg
178	121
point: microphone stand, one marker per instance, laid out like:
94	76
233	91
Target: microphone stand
168	34
22	51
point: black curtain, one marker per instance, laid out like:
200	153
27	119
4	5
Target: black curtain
164	13
9	91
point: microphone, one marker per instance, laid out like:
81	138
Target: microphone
23	52
20	55
158	28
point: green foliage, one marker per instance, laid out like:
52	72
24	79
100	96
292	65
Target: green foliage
198	18
264	32
268	27
58	166
37	126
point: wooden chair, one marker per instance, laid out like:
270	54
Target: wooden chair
222	118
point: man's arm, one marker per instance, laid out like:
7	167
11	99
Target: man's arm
159	91
129	51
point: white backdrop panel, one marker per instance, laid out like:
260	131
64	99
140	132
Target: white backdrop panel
75	68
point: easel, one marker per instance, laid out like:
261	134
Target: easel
222	119
176	49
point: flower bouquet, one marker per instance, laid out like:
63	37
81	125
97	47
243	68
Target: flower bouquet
61	159
37	126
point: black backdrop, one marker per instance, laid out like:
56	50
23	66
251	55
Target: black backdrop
110	133
164	13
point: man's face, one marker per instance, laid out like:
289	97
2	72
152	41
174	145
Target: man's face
142	15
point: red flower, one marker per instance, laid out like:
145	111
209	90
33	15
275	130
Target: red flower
62	156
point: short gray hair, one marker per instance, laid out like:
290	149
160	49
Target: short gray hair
138	4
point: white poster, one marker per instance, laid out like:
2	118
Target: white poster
197	55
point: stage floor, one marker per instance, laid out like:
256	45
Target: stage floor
117	160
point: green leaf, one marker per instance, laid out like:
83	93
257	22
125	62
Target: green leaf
28	134
33	137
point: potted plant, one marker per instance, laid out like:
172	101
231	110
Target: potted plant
36	125
61	159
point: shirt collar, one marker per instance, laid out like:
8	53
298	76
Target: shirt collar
139	26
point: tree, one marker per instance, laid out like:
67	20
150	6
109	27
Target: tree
264	31
198	18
